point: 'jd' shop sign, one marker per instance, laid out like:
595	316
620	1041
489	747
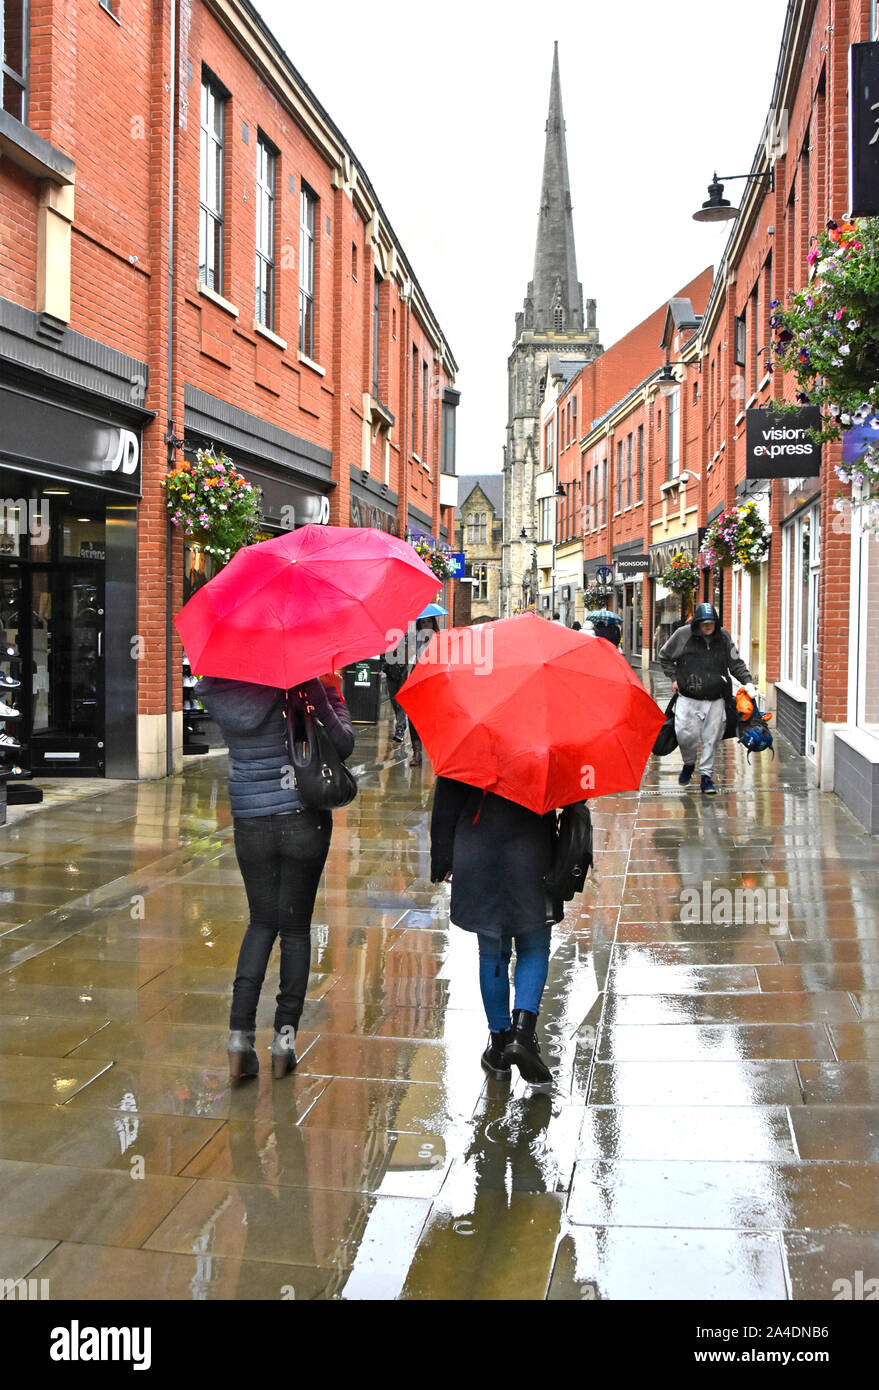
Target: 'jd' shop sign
781	445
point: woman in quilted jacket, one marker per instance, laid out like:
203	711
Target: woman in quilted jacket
281	847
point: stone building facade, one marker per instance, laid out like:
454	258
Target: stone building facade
479	534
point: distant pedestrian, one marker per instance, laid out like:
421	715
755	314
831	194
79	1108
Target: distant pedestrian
576	627
500	852
424	630
699	658
396	672
607	625
281	847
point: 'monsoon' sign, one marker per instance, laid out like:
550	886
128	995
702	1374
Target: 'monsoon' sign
781	445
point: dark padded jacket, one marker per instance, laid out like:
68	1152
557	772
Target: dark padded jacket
252	721
498	852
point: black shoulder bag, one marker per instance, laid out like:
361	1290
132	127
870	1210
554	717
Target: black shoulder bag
322	779
572	852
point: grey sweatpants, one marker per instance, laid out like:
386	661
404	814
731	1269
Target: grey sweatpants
699	721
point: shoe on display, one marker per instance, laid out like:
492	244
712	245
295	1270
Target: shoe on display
8	653
708	787
8	683
7	742
8	711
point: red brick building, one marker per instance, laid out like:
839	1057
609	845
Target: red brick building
192	255
808	623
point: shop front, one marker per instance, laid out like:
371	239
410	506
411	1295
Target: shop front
856	748
796	691
630	567
69	489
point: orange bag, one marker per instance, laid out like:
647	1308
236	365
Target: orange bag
744	704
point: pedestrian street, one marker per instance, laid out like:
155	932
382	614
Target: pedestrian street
711	1019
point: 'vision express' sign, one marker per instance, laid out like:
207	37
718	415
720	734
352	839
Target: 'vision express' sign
781	445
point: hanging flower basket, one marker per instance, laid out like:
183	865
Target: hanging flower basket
216	508
828	336
440	561
595	595
739	536
682	574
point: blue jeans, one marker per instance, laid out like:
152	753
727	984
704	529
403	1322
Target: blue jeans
532	965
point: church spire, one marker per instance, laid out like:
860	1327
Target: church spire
555	296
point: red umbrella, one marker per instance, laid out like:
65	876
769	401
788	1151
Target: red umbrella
532	711
301	604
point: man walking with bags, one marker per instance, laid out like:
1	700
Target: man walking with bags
699	658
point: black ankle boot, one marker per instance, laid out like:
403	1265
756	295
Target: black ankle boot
522	1049
493	1059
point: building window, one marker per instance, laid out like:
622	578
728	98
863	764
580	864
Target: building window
376	336
471	527
480	587
755	336
740	341
265	233
866	590
414	420
545	519
548	459
604	490
307	222
574	418
629	470
558	316
640	463
483	527
354	260
14	51
210	231
619	506
767	307
803	180
673	434
425	395
449	443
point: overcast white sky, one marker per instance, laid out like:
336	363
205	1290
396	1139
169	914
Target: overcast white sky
445	106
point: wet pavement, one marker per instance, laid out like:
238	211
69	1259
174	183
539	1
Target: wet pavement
711	1017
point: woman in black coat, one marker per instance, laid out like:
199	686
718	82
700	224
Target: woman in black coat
496	854
281	847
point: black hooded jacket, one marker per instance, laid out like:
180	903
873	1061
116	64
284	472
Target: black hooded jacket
701	665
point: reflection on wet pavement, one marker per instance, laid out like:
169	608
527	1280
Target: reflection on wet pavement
711	1018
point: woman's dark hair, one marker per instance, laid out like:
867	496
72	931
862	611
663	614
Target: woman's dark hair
576	627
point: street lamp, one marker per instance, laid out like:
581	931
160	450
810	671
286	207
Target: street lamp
667	382
719	209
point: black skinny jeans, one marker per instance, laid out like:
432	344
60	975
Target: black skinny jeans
281	858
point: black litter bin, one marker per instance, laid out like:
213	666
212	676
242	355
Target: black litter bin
362	690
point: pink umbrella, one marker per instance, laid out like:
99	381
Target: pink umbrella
304	603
